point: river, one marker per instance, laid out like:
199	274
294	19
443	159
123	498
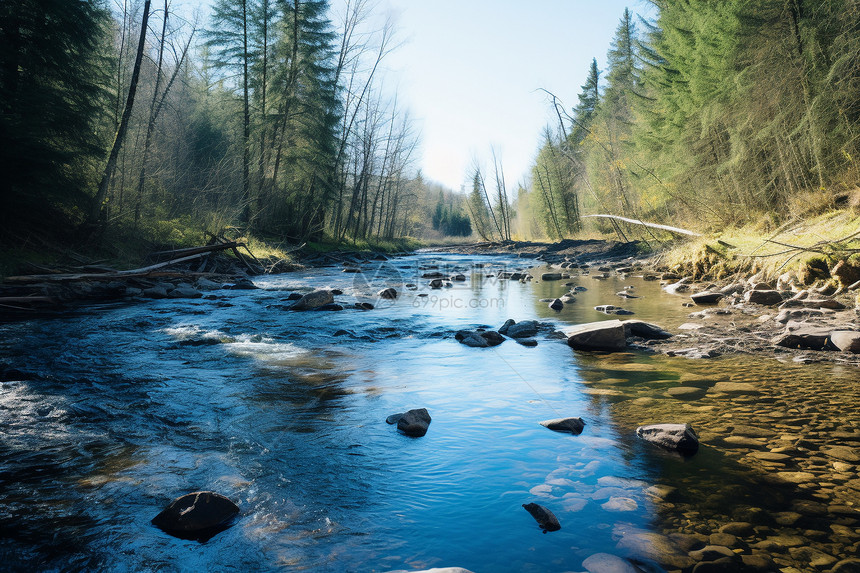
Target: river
125	407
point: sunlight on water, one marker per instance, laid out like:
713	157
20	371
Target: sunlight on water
284	412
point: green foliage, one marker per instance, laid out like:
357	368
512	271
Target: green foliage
450	222
52	94
718	113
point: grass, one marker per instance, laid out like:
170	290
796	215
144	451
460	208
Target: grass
757	248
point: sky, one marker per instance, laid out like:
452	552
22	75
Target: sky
471	71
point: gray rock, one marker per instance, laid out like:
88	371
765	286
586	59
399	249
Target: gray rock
508	323
242	284
571	425
387	293
492	337
606	563
680	438
655	547
184	291
686	392
611	309
528	342
608	335
805	336
436	283
544	517
645	330
763	297
556	304
414	422
472	339
524	329
313	300
678	287
458	278
707	297
196	512
846	340
155	292
205	284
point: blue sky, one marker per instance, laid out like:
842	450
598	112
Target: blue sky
470	73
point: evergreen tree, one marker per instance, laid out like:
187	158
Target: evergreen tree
586	107
53	57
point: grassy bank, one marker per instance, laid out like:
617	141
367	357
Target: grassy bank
804	246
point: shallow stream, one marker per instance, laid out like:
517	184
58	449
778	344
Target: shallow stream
129	406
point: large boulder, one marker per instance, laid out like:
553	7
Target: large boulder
524	329
679	438
645	330
571	425
313	300
608	335
763	297
388	293
846	340
801	335
414	422
478	338
545	518
196	512
707	297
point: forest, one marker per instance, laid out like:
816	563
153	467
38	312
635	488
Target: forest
131	120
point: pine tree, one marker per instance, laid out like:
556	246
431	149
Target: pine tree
53	58
586	107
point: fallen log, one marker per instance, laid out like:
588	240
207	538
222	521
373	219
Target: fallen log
144	271
676	230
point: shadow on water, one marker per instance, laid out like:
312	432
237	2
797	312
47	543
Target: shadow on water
284	413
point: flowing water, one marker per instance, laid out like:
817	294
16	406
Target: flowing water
129	406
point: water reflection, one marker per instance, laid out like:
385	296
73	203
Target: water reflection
284	413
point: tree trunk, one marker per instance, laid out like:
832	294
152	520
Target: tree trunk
98	204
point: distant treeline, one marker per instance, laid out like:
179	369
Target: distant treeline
714	113
270	115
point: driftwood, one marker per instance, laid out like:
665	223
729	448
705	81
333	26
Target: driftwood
141	272
676	230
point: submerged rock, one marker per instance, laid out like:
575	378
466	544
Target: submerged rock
196	512
313	300
680	438
612	309
572	425
607	563
544	517
414	422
